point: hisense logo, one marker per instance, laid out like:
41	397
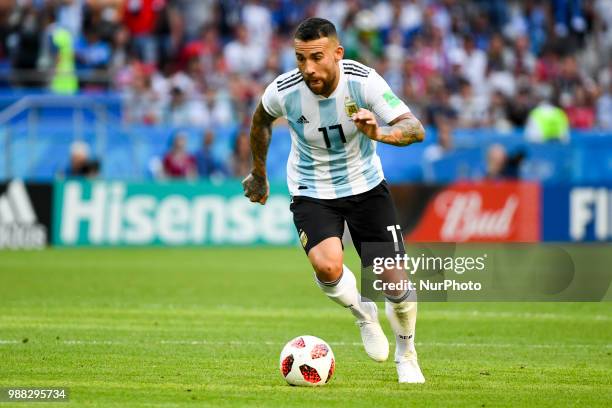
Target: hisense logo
19	227
115	213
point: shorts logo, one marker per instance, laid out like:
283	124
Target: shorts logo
303	238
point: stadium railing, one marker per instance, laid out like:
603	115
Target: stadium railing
36	130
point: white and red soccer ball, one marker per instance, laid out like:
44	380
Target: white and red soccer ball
307	360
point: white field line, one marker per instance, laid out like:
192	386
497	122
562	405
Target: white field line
519	315
327	313
337	343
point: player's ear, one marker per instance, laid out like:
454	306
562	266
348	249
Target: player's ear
339	53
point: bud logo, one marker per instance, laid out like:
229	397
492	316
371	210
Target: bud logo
500	211
465	219
118	213
19	227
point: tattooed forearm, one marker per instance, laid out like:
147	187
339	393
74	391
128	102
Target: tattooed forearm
404	130
261	134
255	185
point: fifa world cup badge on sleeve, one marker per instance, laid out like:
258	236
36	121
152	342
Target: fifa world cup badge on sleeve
350	106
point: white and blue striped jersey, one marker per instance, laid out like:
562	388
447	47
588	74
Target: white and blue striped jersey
329	157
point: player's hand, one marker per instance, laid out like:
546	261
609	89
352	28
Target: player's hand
366	123
256	188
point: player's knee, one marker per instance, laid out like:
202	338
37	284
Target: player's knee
327	269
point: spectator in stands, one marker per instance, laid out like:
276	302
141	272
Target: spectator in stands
207	164
474	63
186	112
70	15
604	108
471	109
410	17
499	72
142	105
120	51
241	158
91	52
581	113
140	18
521	61
81	164
430	56
414	86
500	165
168	32
198	13
257	20
64	80
496	161
206	48
518	108
568	13
24	42
178	163
497	116
570	79
498	57
440	108
454	77
243	56
395	51
547	123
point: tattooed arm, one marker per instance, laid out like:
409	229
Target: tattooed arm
255	185
402	131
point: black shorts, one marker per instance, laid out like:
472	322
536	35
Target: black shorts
370	217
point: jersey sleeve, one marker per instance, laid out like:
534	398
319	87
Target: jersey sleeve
271	101
382	100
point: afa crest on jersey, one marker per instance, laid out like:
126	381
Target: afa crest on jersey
350	106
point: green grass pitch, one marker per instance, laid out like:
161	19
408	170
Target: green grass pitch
204	327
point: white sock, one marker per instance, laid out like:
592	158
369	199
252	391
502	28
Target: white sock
402	318
344	291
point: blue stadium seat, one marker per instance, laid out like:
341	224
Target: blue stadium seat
548	163
459	165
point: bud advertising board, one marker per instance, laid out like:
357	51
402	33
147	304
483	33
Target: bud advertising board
479	212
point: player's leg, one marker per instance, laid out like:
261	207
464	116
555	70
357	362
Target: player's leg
372	219
334	278
320	228
339	283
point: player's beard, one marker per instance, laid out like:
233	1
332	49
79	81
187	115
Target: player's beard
324	88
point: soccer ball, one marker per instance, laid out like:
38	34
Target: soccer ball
307	360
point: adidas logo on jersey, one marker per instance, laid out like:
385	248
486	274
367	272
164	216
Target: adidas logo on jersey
19	226
302	120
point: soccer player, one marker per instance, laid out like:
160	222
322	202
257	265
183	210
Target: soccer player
335	176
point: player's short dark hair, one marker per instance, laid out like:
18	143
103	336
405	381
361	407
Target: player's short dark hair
314	28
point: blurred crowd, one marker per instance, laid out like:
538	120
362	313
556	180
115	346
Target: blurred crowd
469	64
